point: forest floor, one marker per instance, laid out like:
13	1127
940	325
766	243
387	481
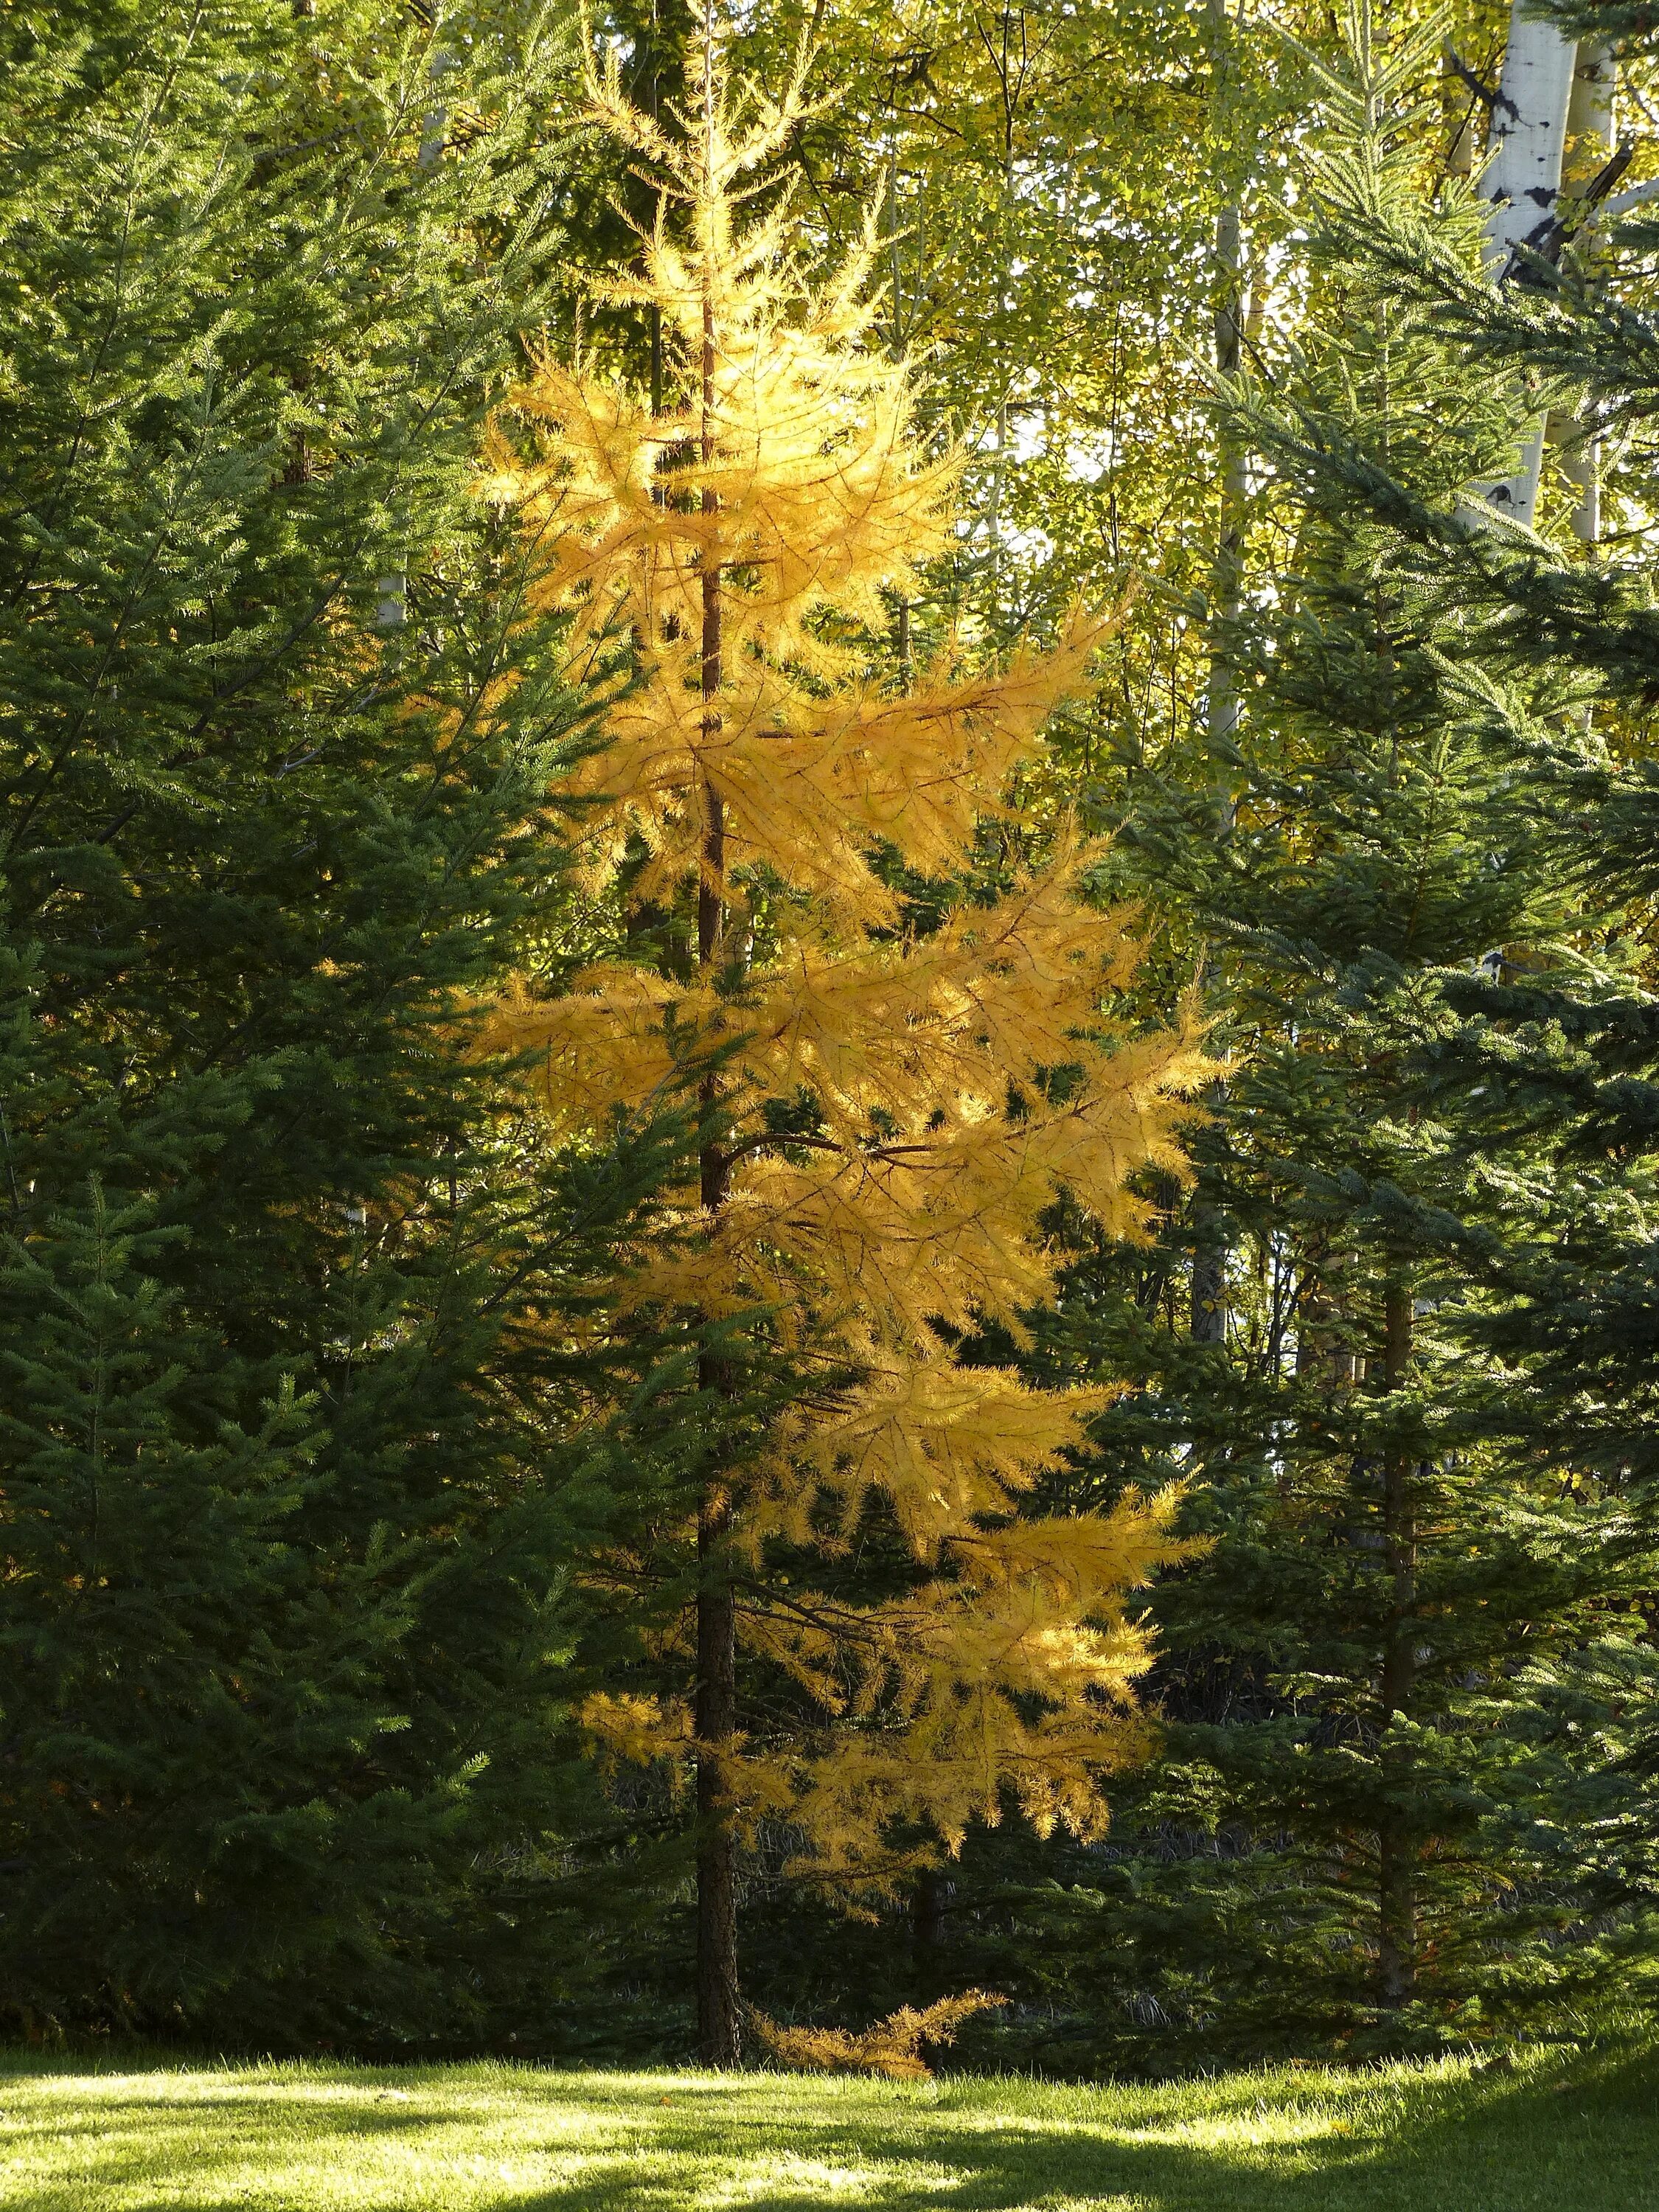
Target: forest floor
1560	2131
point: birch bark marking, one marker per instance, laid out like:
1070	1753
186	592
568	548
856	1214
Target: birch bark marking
719	2003
1523	182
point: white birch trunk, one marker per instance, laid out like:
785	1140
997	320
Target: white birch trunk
1523	182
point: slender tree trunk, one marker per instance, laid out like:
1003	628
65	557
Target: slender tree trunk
1209	1313
1396	1952
1590	121
925	1934
1222	702
1523	182
391	610
1321	1353
654	93
1462	109
434	134
719	2001
1209	1298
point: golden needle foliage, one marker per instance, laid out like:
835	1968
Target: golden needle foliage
892	2048
940	1088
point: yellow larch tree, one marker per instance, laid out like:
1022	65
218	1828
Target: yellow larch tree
887	1112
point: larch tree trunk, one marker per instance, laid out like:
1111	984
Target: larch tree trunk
720	2020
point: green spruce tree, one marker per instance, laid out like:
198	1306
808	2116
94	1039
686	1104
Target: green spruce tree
1549	1055
1347	1843
299	1426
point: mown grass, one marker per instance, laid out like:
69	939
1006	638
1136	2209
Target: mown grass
1560	2132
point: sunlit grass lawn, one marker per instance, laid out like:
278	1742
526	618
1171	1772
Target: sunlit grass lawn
1562	2132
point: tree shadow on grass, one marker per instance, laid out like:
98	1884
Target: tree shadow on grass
1582	2137
1586	2141
115	2145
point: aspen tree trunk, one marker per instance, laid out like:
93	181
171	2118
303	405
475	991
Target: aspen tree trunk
1590	120
1463	121
1396	1949
719	2004
1209	1298
1523	182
